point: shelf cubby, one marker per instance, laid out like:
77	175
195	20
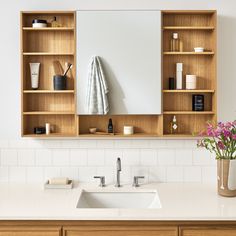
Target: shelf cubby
144	125
195	29
63	125
52	48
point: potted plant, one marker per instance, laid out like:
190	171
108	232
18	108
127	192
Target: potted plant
221	140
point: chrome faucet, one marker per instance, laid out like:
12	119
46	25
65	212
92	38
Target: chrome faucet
118	170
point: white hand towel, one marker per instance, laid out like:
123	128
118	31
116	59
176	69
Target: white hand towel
97	94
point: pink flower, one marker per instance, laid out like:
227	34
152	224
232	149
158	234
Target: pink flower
234	136
226	133
221	145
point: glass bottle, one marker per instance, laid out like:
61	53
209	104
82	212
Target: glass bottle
175	43
173	126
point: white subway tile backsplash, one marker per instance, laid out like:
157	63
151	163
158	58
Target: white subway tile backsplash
184	157
17	174
192	174
209	174
157	174
9	157
203	157
148	157
60	157
52	172
111	156
105	143
4	173
166	157
26	157
96	157
158	160
43	157
35	175
86	173
108	172
175	174
131	157
70	172
78	157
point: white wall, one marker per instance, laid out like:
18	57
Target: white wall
29	160
10	60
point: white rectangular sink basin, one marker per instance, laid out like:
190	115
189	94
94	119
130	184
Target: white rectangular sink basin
119	199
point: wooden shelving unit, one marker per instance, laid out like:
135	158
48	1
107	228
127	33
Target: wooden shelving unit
48	45
195	29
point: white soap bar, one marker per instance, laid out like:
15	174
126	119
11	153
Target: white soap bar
59	181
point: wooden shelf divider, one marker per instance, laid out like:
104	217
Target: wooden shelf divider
188	53
189	91
48	91
188	28
48	29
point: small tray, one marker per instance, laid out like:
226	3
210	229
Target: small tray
59	186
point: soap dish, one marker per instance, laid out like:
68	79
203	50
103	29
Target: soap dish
58	186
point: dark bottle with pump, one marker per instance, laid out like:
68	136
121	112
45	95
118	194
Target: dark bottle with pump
110	126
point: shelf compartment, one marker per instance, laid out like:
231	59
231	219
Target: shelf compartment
189	18
183	102
47	71
188	124
188	28
46	42
65	18
64	125
144	125
49	29
190	40
203	67
49	102
189	91
48	91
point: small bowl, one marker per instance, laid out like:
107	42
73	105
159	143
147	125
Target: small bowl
92	130
198	49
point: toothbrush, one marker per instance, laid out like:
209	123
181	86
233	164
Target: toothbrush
69	67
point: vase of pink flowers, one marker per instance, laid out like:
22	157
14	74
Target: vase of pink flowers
221	140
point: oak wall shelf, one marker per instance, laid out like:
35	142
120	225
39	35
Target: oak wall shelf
46	105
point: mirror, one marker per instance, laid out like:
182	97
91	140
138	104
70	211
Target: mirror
128	44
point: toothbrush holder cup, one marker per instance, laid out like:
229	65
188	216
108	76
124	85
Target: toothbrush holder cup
59	82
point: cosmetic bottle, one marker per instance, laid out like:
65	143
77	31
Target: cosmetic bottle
171	83
55	23
173	126
179	75
110	126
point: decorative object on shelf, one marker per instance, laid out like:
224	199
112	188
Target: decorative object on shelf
55	23
199	49
110	127
39	130
179	75
37	23
128	130
191	81
34	72
198	102
173	125
68	67
59	82
221	141
48	128
92	130
176	45
59	183
171	83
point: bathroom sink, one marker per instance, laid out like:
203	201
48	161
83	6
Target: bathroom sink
119	199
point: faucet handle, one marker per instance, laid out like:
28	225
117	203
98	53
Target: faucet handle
102	180
136	178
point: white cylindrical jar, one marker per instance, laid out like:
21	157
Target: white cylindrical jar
191	81
128	130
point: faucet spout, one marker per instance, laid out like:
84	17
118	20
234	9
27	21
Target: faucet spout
118	170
